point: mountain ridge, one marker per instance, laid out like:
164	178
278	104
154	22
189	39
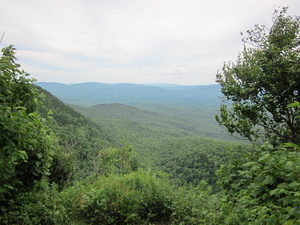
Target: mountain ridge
93	93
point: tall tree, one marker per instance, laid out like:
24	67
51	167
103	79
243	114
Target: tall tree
25	146
262	82
263	187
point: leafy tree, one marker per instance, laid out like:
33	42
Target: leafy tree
25	146
263	186
263	81
116	160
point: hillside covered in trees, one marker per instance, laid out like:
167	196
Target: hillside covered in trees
157	159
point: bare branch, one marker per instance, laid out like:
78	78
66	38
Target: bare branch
2	37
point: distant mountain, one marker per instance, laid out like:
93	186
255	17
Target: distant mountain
87	94
164	85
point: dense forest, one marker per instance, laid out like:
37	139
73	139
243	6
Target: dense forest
107	158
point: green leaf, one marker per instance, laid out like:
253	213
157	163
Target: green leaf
294	104
291	145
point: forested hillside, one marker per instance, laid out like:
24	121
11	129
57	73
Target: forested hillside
160	140
182	122
78	139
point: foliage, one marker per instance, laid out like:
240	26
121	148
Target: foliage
78	140
146	123
25	146
165	141
263	81
62	170
190	160
196	205
263	187
132	199
16	88
75	172
116	160
141	197
35	207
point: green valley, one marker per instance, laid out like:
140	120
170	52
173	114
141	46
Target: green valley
153	135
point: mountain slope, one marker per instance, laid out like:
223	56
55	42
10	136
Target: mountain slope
186	123
147	131
77	137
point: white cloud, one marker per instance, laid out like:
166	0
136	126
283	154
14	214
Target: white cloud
138	41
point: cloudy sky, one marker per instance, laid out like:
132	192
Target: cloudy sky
130	41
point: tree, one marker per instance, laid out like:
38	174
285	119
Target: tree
25	146
263	81
263	186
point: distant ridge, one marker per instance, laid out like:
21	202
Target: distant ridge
92	93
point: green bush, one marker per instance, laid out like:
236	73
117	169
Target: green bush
195	205
36	207
141	197
135	198
156	193
264	188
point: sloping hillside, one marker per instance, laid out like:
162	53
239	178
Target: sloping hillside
148	131
77	137
183	122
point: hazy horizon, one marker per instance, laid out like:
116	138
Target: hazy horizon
146	84
135	41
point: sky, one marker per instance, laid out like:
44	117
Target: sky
131	41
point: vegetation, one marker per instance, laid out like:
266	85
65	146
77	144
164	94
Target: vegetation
25	147
141	197
190	160
263	81
78	140
58	167
263	187
86	175
151	133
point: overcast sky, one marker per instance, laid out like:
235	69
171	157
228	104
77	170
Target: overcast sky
130	41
